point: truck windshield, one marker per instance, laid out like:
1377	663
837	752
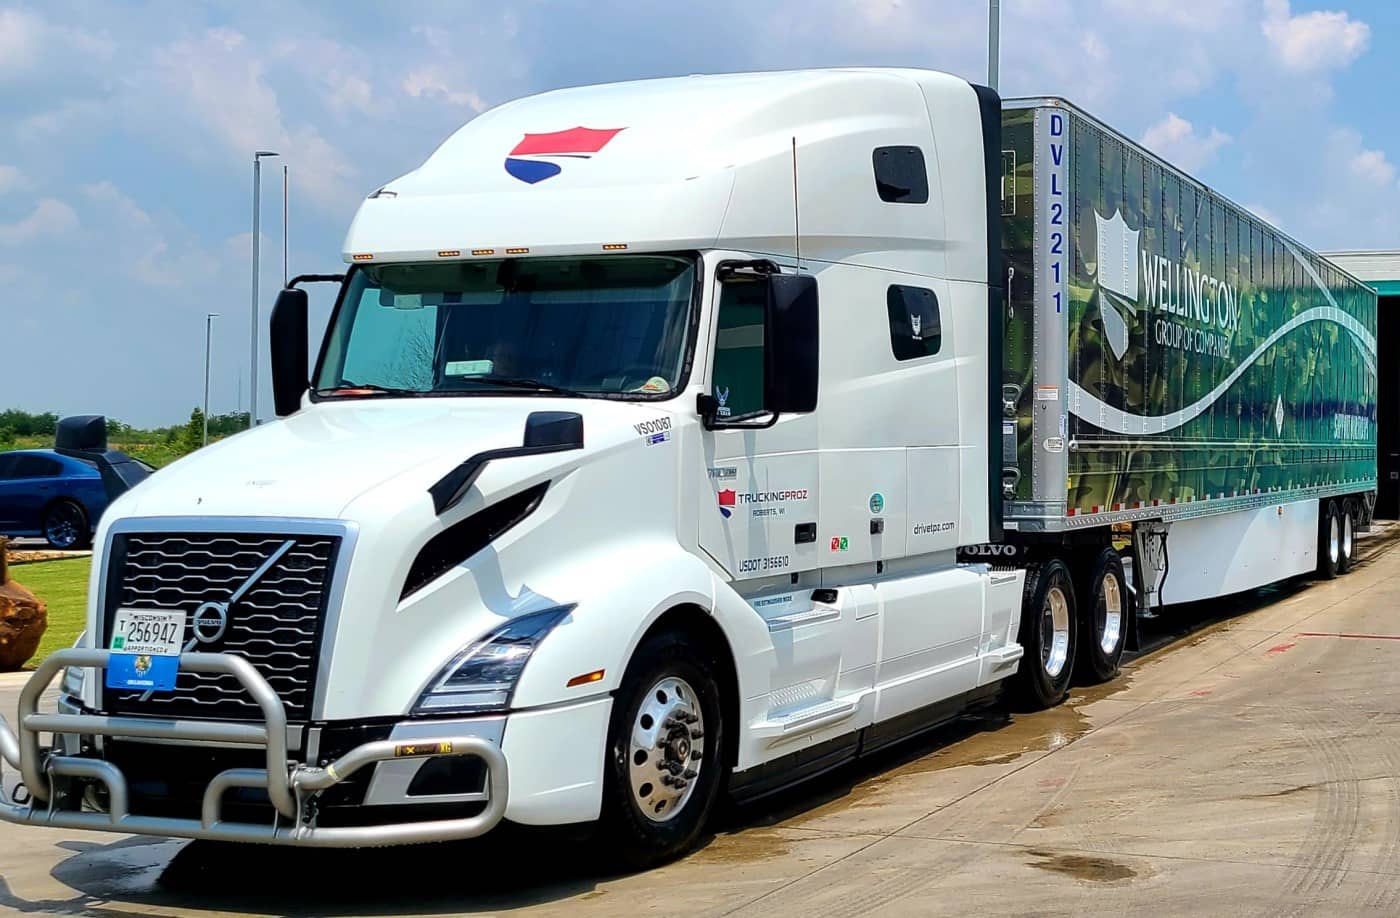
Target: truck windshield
605	326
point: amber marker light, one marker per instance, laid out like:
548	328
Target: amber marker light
450	253
483	251
363	257
518	251
614	246
585	679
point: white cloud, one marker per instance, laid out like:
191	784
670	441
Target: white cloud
1372	166
10	178
20	37
351	92
1180	143
51	217
426	82
221	83
1319	40
27	41
143	247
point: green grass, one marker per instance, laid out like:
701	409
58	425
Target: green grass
63	586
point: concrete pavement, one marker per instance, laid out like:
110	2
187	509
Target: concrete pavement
1250	768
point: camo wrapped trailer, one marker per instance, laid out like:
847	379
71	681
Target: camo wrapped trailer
1168	354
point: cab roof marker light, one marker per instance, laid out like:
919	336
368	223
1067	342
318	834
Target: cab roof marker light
483	251
518	250
365	257
614	246
585	679
450	253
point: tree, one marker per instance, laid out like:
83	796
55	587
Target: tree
192	437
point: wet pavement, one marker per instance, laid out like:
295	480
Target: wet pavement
1247	763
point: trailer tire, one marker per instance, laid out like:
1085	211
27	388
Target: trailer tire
1329	540
1049	628
665	712
1347	555
1103	626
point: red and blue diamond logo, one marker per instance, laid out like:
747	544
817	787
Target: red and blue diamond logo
534	159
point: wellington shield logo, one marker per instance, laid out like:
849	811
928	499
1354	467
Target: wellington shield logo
1117	278
535	157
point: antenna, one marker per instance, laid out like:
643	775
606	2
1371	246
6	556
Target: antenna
796	222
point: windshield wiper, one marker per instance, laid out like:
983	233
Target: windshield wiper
525	382
349	388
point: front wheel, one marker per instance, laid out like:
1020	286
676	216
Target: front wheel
1049	633
665	753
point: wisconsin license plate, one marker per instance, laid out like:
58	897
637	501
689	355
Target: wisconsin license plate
145	645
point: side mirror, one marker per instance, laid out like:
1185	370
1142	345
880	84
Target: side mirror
553	431
790	344
289	365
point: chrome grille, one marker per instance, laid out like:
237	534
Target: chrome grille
275	625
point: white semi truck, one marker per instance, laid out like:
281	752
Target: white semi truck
692	437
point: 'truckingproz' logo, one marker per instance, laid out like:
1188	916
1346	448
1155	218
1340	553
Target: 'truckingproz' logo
533	159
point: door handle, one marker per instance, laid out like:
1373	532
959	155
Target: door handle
804	533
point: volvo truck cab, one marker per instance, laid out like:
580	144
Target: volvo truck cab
631	471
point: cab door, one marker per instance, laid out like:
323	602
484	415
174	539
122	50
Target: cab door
761	521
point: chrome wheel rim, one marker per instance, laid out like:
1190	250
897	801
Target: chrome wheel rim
1348	539
1054	632
1110	614
1334	539
62	527
667	749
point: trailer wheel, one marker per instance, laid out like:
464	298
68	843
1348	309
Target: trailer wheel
1049	631
1329	540
665	753
1103	628
1347	555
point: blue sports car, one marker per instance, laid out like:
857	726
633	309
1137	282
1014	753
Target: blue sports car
46	494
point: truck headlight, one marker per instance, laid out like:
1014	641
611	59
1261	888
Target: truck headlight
482	677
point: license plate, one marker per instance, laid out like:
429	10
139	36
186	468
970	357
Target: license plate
145	645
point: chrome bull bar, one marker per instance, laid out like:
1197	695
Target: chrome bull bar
289	785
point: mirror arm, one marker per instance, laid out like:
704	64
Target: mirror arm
449	490
315	279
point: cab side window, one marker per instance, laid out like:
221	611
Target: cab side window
738	372
915	327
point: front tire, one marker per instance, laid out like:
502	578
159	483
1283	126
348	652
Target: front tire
1329	540
66	526
1104	626
1049	633
665	753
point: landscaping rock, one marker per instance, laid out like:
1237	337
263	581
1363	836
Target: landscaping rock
23	619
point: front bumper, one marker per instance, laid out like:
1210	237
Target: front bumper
57	779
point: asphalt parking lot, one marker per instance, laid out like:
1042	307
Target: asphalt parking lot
1250	767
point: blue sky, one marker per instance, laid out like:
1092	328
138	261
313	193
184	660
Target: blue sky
128	130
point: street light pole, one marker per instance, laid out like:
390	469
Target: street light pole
209	318
993	42
253	334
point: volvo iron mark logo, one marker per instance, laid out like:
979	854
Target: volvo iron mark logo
210	622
